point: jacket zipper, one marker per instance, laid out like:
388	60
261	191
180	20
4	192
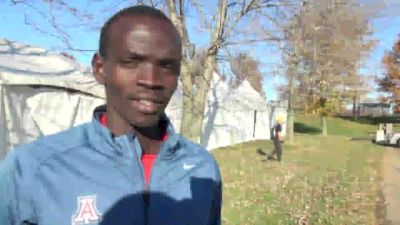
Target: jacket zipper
146	191
146	200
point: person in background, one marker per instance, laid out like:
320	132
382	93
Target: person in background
277	139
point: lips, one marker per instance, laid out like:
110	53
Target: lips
147	106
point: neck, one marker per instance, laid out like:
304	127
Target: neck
150	138
116	123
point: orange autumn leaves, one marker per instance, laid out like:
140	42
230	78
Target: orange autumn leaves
391	81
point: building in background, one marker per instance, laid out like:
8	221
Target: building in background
375	109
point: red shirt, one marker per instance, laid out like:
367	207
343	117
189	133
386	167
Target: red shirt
147	159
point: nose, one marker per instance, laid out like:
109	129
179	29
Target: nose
149	76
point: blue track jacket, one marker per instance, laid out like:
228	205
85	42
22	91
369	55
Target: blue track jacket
86	176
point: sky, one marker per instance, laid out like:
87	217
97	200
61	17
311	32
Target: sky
14	28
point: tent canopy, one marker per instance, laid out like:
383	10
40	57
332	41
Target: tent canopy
26	65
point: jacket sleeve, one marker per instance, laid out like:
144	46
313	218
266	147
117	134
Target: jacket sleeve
15	204
7	192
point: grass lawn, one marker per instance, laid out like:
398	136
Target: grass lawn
336	126
323	180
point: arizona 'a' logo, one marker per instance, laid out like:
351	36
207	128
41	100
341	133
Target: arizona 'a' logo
87	212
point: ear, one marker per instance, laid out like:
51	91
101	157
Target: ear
98	68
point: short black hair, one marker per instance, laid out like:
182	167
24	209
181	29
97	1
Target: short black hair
130	11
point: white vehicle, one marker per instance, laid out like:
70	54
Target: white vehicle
385	135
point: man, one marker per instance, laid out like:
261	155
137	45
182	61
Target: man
127	166
277	138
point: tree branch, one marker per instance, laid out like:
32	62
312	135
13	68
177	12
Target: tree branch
17	1
218	32
252	41
244	10
202	14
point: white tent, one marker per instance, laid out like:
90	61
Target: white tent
42	93
235	116
231	115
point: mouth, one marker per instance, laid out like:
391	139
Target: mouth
146	106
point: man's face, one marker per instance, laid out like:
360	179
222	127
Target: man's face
141	68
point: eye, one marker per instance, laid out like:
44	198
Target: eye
166	64
131	63
169	65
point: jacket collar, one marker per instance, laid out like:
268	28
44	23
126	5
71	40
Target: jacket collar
104	141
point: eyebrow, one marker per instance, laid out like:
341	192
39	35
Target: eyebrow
135	55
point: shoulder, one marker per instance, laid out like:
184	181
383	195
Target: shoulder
19	169
27	158
207	160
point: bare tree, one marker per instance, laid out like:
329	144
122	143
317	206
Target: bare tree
225	31
245	67
49	14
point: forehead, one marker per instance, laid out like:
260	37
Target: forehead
144	35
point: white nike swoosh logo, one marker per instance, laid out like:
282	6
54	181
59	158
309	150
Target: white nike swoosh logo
188	166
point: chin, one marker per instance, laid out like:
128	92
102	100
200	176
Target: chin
146	120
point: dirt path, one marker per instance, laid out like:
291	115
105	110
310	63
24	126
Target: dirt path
391	185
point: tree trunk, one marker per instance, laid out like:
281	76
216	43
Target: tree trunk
355	114
194	101
324	126
191	123
290	126
194	104
290	120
